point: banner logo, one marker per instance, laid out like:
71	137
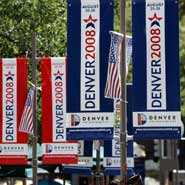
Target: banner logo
75	120
108	162
111	162
49	148
142	119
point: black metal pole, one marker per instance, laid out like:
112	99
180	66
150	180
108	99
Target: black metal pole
98	170
34	77
123	106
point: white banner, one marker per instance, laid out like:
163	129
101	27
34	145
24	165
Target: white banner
58	76
9	71
90	62
156	62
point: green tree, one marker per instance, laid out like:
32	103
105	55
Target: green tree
20	18
182	54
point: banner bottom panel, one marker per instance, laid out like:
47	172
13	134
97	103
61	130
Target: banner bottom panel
13	159
78	170
89	133
60	159
143	133
116	171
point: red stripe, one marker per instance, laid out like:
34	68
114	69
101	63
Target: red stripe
115	82
46	100
22	74
111	78
13	159
1	112
116	88
60	159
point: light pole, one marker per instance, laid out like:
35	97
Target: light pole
123	103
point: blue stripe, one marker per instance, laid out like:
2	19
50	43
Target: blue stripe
106	24
161	133
78	170
88	146
73	55
172	55
139	55
89	134
116	171
129	109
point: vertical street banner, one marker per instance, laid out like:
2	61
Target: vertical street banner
111	161
89	113
13	92
156	86
54	146
129	112
85	159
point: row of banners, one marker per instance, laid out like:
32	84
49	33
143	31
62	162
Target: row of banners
156	88
76	109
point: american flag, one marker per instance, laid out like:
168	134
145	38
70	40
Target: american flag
113	84
26	124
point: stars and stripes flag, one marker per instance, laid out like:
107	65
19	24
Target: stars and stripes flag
113	83
26	124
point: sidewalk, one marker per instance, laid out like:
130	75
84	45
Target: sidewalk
17	182
151	181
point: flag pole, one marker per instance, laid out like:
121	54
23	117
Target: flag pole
123	103
34	75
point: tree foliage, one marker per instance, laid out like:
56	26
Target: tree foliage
182	54
20	18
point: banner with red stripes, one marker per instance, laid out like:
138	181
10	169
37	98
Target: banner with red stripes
13	92
55	148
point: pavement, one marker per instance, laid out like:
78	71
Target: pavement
151	181
28	182
148	181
